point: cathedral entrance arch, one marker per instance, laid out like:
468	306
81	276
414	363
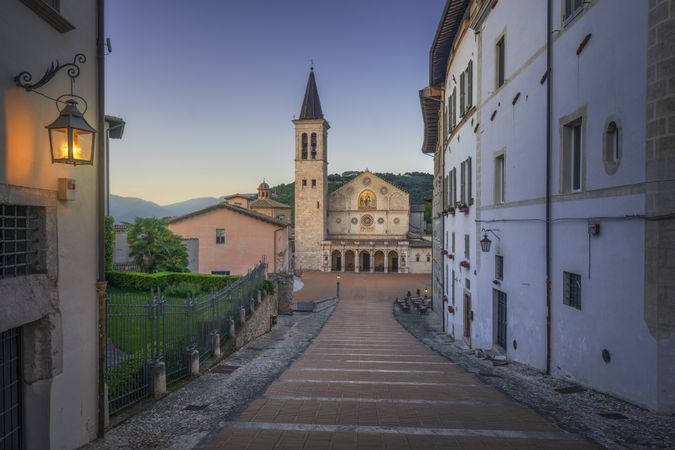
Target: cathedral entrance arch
393	261
364	261
336	261
349	261
379	261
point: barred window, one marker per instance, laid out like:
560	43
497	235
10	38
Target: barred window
20	240
499	267
572	289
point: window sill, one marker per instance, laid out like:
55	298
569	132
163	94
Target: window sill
49	15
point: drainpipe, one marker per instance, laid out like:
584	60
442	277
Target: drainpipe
548	187
101	202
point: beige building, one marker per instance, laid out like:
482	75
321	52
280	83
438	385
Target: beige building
363	226
49	227
262	203
232	239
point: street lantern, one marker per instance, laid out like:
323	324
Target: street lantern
485	243
71	138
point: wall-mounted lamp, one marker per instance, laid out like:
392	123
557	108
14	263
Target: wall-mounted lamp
485	243
71	138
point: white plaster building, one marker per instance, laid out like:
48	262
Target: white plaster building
579	237
50	221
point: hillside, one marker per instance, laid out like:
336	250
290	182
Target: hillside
126	209
417	184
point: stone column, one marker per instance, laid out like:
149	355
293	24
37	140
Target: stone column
158	379
372	260
194	363
386	261
357	260
342	260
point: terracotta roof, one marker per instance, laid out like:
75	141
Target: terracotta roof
445	36
311	105
267	203
248	196
237	209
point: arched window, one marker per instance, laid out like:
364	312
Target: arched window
304	145
428	258
417	257
313	145
367	200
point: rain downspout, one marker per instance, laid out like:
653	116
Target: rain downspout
548	187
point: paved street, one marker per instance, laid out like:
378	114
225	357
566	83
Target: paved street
366	383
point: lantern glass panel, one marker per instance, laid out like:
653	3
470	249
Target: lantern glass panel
59	142
83	143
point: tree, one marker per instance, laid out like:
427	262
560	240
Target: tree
109	242
155	248
427	213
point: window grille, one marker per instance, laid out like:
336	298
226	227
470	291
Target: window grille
499	267
11	433
572	289
19	242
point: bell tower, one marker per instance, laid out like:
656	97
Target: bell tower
311	179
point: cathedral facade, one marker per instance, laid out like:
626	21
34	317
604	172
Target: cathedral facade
363	226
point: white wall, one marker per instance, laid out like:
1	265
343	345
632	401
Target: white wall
606	80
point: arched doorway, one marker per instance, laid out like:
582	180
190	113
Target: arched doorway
364	261
336	261
379	261
349	261
393	261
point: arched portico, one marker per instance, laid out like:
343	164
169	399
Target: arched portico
393	261
379	261
349	261
336	261
364	261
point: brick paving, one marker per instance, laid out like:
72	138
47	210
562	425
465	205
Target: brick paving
365	383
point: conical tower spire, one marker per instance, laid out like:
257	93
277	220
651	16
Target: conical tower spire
311	105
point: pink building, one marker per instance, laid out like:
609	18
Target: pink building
233	239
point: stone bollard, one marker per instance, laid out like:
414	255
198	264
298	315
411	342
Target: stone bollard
259	297
252	303
159	379
242	315
106	406
215	344
194	362
233	332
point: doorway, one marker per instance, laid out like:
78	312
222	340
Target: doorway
393	261
365	262
468	317
500	317
336	261
379	261
349	261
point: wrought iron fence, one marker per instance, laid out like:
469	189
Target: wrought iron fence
144	329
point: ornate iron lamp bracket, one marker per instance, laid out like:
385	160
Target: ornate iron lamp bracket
24	79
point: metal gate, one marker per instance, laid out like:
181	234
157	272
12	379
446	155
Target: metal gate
11	392
500	297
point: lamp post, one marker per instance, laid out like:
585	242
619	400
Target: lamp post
426	292
338	286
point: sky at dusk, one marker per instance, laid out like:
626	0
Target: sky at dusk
208	89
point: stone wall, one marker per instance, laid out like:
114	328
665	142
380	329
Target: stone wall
260	322
660	192
284	292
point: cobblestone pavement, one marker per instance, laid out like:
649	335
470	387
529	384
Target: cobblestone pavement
623	426
184	417
366	383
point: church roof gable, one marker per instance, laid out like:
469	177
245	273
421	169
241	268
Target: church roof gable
361	187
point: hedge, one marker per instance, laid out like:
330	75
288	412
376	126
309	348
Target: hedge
139	281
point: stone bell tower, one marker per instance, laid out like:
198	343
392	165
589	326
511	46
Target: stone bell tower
311	179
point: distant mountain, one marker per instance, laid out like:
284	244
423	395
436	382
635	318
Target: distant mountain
126	209
188	206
